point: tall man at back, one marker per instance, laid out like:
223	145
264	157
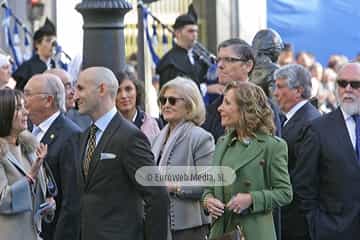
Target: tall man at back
112	150
328	165
180	60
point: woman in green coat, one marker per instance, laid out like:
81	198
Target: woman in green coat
259	161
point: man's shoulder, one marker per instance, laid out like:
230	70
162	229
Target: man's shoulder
326	122
65	125
170	58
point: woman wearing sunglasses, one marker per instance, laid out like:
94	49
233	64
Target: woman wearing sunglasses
130	98
22	179
183	143
260	163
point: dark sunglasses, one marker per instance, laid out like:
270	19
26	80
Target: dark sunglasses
344	83
171	100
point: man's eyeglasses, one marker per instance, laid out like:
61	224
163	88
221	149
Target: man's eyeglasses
230	59
344	83
171	100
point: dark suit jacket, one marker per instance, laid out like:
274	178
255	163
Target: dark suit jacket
213	120
28	69
111	198
177	63
293	223
330	175
61	157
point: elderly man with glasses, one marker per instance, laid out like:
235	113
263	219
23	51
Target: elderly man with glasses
328	165
45	101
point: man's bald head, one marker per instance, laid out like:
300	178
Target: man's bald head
96	91
99	75
61	73
350	70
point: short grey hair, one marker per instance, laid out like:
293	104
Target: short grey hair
296	76
55	87
194	103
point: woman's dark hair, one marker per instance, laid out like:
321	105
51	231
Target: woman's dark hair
130	74
8	100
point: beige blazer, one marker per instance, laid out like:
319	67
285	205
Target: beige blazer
19	200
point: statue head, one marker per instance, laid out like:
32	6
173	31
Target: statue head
268	42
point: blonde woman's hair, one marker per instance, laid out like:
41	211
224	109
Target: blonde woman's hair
194	103
256	114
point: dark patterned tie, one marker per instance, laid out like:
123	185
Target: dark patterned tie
90	148
357	135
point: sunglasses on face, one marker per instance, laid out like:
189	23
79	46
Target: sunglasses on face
171	100
344	83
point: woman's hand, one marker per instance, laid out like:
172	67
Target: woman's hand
214	206
41	152
239	202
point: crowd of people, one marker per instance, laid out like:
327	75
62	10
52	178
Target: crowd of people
72	152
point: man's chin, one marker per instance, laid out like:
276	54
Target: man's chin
350	108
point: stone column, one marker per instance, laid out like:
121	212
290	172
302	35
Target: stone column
104	42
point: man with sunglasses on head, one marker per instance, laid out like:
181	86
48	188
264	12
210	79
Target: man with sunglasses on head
328	164
235	62
44	43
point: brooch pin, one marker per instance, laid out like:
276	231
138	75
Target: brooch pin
52	136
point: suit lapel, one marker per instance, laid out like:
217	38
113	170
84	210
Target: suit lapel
109	131
343	137
52	133
251	152
15	162
298	116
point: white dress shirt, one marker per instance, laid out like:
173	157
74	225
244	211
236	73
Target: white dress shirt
350	125
40	131
293	110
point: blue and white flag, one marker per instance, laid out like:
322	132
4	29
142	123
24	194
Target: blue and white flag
154	35
6	25
27	46
18	56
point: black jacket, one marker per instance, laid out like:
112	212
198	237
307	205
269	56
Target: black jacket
28	69
293	222
329	171
176	63
61	158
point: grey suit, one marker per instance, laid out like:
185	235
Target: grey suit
192	147
19	200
